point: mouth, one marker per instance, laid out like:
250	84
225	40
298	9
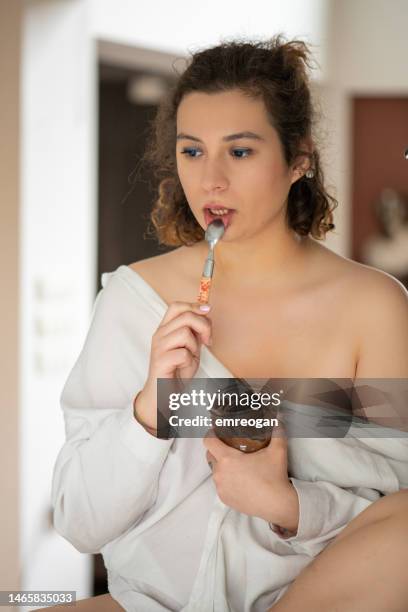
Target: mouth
217	212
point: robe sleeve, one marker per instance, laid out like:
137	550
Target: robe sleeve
340	478
324	510
106	473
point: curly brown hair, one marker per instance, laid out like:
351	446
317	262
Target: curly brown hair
274	71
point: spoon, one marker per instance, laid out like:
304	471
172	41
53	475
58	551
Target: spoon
213	234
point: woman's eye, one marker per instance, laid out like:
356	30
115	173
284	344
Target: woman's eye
189	151
245	152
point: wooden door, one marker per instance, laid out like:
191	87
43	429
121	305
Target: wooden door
379	140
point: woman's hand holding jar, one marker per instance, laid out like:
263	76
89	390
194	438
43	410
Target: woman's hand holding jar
256	483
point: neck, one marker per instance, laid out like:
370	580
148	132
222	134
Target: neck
274	256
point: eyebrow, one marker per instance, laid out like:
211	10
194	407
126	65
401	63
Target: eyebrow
228	138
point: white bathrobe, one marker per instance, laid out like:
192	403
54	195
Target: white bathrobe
150	506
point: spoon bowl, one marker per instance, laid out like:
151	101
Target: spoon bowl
214	232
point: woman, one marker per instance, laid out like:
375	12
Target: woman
236	132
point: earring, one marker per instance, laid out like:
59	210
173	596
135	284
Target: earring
309	173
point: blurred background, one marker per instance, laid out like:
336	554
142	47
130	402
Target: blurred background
80	79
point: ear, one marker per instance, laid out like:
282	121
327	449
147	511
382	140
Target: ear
303	160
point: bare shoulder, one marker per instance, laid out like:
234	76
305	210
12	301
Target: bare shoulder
364	285
172	274
374	305
382	318
384	292
374	293
378	304
179	260
154	265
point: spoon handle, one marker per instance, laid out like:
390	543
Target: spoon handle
204	293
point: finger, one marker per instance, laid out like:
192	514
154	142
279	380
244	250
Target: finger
212	462
180	338
209	456
180	358
199	325
218	448
177	308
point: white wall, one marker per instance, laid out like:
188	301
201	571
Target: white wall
58	263
182	26
369	45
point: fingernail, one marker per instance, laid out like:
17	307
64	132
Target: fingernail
205	307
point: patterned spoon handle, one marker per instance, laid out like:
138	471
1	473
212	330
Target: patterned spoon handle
204	292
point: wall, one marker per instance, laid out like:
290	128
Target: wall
184	25
58	263
369	45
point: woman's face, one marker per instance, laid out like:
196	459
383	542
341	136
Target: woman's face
229	155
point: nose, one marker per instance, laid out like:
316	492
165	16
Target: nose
213	177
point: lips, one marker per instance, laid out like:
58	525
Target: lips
209	216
